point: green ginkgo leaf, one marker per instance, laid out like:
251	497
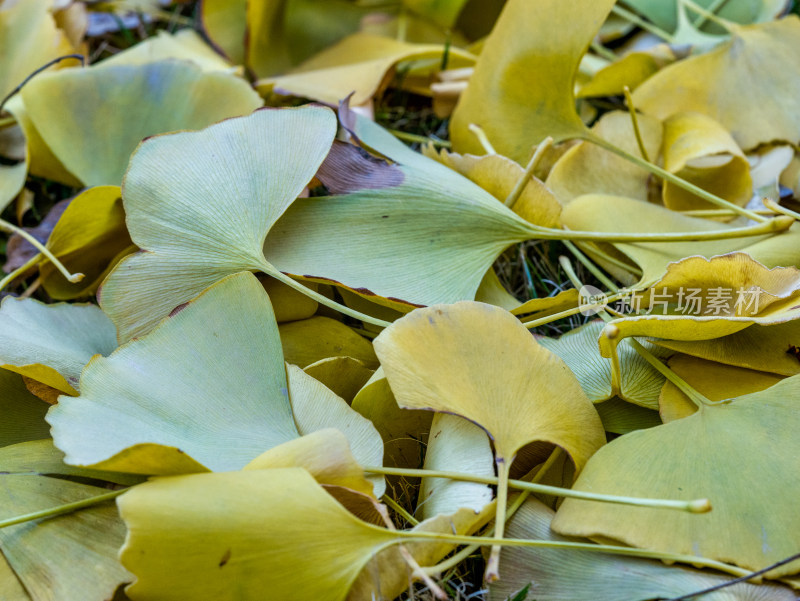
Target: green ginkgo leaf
207	386
200	204
52	343
413	231
708	454
570	575
81	547
205	390
641	383
523	86
105	111
280	532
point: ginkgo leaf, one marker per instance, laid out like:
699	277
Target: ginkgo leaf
480	362
256	166
588	169
443	13
499	175
75	545
641	383
630	70
287	303
345	376
309	340
325	454
23	414
437	359
701	298
697	149
602	213
215	394
225	23
29	39
747	84
571	575
522	88
715	381
413	232
43	458
89	238
107	110
52	343
404	431
185	45
360	64
316	407
761	348
280	532
710	455
455	445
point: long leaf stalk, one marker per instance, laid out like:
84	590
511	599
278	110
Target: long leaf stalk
694	506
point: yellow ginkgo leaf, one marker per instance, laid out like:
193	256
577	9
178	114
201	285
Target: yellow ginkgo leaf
325	454
630	70
700	299
309	340
288	303
225	22
588	169
344	376
480	362
715	381
29	39
107	110
762	348
709	454
748	84
90	237
522	88
404	431
280	532
361	64
498	175
697	148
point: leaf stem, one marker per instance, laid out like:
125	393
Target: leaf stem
635	122
492	573
528	173
591	267
10	227
482	138
322	299
765	226
632	269
646	25
694	506
400	510
696	397
19	271
776	208
712	8
673	179
707	14
61	509
547	544
602	51
407	137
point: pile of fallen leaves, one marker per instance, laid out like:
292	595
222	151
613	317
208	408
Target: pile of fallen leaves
255	346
